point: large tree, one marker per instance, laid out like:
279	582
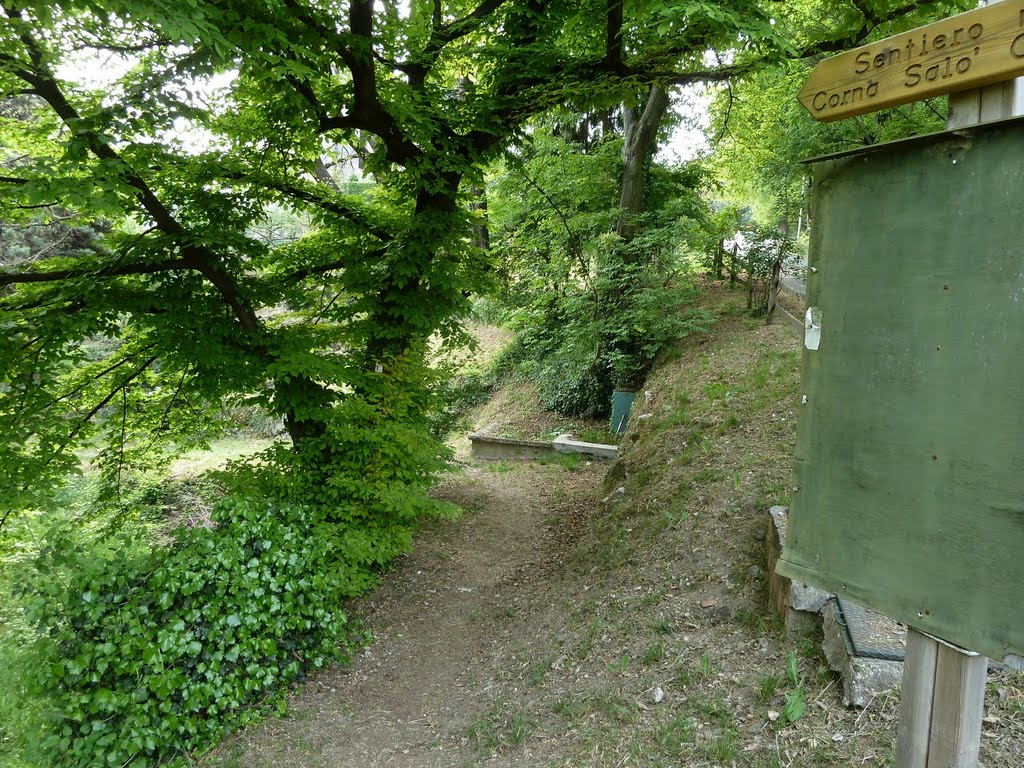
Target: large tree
329	332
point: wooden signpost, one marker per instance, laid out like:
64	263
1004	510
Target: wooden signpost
973	57
971	50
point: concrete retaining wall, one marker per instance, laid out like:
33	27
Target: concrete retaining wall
494	448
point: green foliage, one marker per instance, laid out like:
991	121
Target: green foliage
47	237
18	712
592	311
147	655
795	699
458	393
762	131
368	471
216	262
460	385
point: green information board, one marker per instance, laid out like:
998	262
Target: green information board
909	479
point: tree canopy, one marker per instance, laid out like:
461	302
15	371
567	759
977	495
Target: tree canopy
206	253
761	132
203	310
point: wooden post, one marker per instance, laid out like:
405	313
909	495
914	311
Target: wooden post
944	687
916	700
750	282
773	291
942	705
732	263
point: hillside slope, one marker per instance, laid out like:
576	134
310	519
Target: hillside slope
566	622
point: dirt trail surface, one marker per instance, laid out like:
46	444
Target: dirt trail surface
439	625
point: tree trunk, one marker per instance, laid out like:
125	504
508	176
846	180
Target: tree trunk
406	308
640	129
481	232
640	132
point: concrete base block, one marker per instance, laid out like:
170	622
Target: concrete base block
863	678
798	604
801	623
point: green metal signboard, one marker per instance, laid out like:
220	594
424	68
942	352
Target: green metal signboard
909	480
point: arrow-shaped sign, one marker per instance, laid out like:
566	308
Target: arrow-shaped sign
970	50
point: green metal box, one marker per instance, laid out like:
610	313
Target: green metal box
909	476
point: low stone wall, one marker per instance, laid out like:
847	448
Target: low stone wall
491	447
508	449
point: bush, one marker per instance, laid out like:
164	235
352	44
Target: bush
147	655
577	380
650	315
574	387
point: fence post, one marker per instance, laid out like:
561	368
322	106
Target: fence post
773	291
750	282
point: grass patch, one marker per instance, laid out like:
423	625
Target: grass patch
675	737
568	461
653	653
220	452
688	671
504	727
601	436
767	687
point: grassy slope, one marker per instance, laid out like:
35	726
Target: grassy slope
667	591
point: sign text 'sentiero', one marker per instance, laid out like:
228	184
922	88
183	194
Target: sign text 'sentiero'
976	48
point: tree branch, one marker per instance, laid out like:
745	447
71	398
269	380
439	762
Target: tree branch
573	237
85	45
323	174
330	202
35	207
117	270
40	78
100	375
872	19
613	39
466	25
331	266
422	62
99	406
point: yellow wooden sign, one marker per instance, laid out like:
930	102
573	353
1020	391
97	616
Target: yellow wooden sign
970	50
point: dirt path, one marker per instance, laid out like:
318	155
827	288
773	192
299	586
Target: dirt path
440	624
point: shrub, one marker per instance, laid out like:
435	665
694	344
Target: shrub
575	386
149	654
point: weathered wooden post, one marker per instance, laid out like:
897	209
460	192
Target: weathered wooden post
885	487
773	291
750	281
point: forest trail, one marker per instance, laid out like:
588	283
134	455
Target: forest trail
562	622
417	695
